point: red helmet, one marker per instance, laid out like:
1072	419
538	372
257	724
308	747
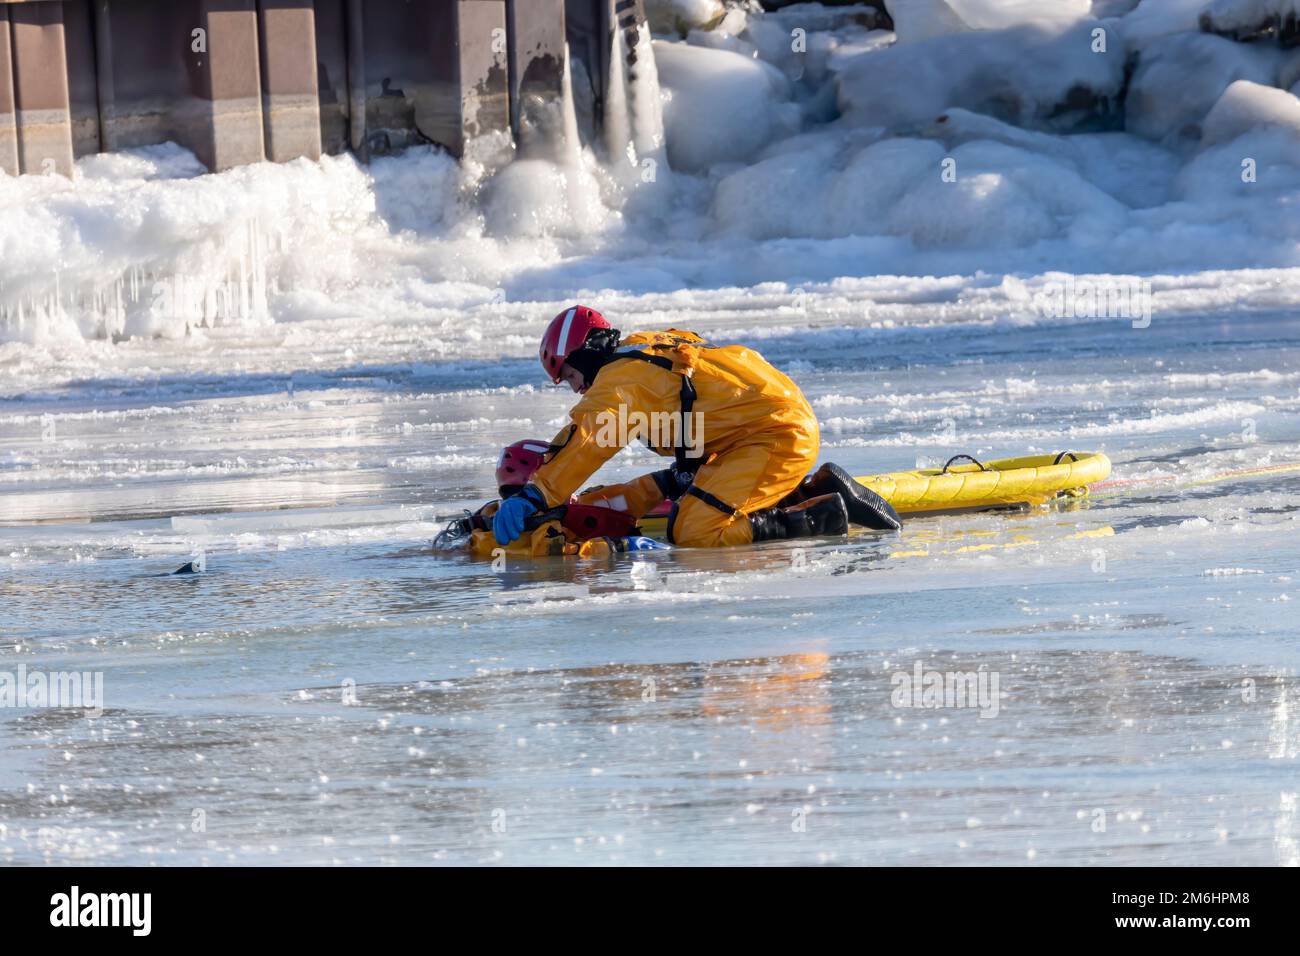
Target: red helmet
565	335
519	461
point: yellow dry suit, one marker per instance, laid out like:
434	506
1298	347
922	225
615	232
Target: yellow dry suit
745	436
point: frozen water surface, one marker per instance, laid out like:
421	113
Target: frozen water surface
728	706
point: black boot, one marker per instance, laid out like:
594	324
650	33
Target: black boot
865	506
816	516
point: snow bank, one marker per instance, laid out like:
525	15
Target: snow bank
807	42
768	187
143	244
1288	76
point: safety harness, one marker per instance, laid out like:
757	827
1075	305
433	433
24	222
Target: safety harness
684	472
687	395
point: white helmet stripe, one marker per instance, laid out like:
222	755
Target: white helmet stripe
565	329
531	446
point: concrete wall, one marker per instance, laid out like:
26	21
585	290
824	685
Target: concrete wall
40	87
8	117
239	81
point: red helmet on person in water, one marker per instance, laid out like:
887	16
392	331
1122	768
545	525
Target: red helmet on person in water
565	335
517	464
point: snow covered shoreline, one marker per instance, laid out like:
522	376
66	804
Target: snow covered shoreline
804	151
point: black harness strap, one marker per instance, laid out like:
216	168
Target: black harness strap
696	491
685	472
687	395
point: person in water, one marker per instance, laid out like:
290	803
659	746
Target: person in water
596	523
744	446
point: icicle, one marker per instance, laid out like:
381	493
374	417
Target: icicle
647	116
618	135
572	147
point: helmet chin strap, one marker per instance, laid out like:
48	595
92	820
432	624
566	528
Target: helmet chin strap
594	354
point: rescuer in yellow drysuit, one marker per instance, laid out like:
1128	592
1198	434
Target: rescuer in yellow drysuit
745	436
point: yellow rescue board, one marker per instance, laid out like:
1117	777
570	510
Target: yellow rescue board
1032	480
968	486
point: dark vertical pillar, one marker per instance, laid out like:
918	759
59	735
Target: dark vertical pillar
332	75
231	85
536	32
356	78
83	97
587	32
291	99
104	89
151	73
40	72
8	119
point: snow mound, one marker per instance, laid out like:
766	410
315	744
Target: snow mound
1152	19
535	198
1226	181
1031	75
720	106
1007	196
1246	107
1245	18
817	191
924	19
1180	77
999	195
1132	170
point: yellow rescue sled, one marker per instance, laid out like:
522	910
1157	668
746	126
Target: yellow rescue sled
975	486
964	484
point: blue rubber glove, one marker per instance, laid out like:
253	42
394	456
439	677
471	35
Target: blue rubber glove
508	523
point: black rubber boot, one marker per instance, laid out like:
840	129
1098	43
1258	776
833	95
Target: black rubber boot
824	515
865	506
